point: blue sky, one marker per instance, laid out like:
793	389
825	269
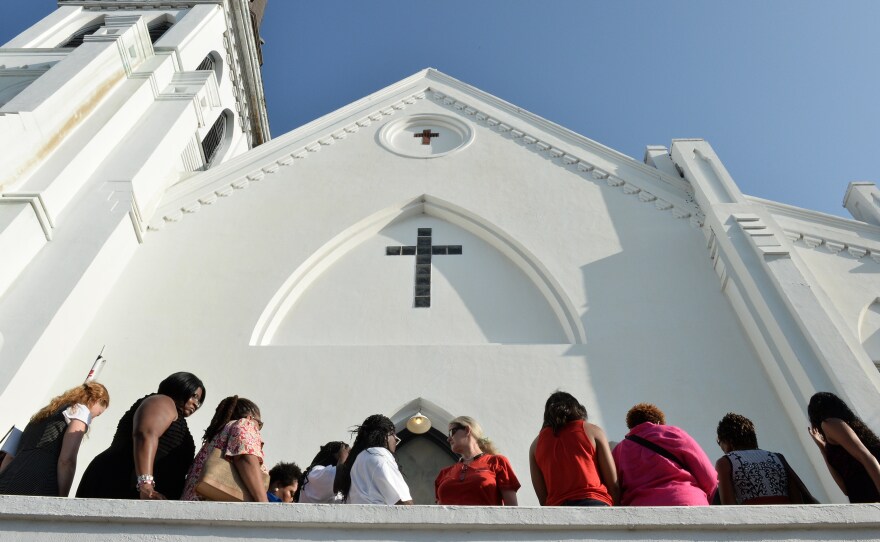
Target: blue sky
787	92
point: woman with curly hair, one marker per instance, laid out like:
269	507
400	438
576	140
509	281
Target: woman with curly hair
316	485
371	475
235	430
849	447
571	460
748	474
46	459
481	477
661	465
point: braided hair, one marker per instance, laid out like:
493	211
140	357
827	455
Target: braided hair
327	455
231	408
373	433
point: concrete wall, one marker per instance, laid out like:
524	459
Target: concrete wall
62	520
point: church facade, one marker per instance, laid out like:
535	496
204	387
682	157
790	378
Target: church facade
428	249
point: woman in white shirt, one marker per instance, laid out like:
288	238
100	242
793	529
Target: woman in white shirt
316	485
46	458
371	475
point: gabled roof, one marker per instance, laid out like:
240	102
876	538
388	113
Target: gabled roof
593	161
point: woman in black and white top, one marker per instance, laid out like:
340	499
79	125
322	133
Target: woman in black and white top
45	462
316	485
748	474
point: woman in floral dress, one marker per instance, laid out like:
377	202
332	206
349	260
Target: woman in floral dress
235	429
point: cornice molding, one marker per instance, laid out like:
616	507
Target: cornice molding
829	233
669	194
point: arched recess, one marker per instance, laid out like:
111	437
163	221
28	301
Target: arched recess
297	283
421	457
869	330
218	138
76	39
212	62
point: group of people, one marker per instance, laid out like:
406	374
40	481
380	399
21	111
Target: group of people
572	463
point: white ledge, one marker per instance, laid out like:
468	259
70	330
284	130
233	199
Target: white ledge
38	518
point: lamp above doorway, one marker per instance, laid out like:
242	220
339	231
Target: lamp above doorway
418	424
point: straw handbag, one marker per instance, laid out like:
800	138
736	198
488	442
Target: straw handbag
220	480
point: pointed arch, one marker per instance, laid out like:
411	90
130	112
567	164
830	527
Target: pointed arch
297	283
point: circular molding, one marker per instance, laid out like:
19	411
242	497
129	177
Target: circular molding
404	136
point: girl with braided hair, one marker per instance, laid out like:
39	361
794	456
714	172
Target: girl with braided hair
316	485
371	475
234	429
481	477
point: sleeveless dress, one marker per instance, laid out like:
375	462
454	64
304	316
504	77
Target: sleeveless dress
859	486
567	461
759	477
34	471
111	473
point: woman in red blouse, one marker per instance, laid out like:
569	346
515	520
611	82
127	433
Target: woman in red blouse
481	477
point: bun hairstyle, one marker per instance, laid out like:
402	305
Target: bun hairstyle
486	445
231	408
88	394
562	408
644	412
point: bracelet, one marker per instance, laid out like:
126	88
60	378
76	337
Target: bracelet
145	479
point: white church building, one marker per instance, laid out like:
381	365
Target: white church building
427	249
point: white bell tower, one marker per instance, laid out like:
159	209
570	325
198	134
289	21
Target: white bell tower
104	105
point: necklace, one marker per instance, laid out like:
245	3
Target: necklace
465	466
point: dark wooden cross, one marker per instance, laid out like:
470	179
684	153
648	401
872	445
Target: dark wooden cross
423	251
426	136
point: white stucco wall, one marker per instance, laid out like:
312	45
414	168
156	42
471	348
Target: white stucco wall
656	325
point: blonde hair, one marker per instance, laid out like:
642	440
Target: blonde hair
486	445
87	394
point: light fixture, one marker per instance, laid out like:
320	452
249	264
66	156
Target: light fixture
418	424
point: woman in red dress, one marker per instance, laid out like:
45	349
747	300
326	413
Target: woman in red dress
481	477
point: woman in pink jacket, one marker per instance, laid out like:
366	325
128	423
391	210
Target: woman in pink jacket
661	465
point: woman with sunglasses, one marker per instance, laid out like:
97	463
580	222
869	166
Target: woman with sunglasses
481	477
234	429
370	474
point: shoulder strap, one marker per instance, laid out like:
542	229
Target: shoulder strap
657	449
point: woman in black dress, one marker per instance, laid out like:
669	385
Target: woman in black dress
851	450
152	448
46	458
